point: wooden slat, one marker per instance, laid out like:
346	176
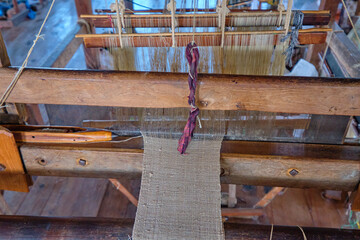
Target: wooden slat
169	90
268	197
201	20
346	53
241	212
96	228
253	163
12	174
308	36
4	57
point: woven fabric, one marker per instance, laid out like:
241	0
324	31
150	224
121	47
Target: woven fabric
180	194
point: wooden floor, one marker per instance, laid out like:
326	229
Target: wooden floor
81	197
54	196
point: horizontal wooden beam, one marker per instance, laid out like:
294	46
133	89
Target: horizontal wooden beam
20	227
254	163
201	20
306	36
170	90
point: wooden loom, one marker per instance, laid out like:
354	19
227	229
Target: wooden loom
320	166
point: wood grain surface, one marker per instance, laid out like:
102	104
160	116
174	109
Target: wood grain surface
169	90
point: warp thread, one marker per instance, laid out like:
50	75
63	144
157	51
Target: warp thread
222	10
192	56
171	7
281	8
294	35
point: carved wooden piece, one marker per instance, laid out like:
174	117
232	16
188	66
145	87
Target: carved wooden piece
169	90
12	174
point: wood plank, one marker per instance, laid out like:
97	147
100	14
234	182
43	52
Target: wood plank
169	90
241	212
355	204
252	163
308	36
345	51
12	174
35	201
78	228
4	57
203	20
86	194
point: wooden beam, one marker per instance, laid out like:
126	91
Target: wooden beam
241	212
77	228
346	53
306	36
169	90
4	57
264	201
253	163
201	20
12	174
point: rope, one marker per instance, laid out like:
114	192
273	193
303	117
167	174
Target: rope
351	22
192	56
288	16
118	21
281	8
194	22
171	7
222	11
21	69
325	52
294	35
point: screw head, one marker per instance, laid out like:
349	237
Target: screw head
2	167
82	162
293	172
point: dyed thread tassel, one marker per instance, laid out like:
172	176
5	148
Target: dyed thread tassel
192	55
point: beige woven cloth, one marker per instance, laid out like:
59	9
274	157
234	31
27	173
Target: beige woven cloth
180	194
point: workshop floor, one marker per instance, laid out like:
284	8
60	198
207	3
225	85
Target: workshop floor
54	196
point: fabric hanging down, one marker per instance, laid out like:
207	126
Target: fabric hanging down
180	193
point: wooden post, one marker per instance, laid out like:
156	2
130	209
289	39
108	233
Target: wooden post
92	56
312	55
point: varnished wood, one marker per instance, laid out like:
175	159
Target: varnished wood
203	20
170	90
252	163
124	191
12	176
76	228
4	58
268	197
308	36
241	212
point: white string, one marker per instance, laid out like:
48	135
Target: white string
288	16
172	8
281	8
194	23
222	11
19	72
351	22
118	21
